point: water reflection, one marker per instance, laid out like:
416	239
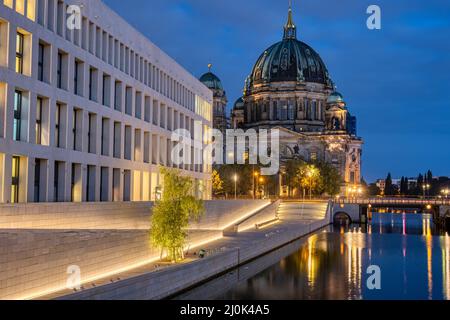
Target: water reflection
413	256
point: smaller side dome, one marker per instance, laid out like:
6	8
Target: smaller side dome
336	98
210	80
239	104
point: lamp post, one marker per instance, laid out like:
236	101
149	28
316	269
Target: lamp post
426	188
235	186
261	182
255	176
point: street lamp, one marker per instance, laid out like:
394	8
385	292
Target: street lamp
311	173
426	187
255	176
235	186
445	192
261	182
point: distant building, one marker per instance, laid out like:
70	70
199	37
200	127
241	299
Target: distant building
220	120
237	114
381	183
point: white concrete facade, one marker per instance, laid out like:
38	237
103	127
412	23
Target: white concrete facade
87	115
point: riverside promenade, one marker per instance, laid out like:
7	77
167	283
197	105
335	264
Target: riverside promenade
159	281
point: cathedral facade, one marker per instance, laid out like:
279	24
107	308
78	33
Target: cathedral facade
290	89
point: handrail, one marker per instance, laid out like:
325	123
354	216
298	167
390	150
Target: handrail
394	201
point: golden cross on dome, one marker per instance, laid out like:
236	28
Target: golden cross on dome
209	66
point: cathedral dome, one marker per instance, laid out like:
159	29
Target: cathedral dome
289	60
239	104
210	80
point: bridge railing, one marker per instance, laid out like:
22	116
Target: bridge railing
394	201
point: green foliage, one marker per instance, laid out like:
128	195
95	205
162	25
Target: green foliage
245	178
318	178
172	213
217	183
389	188
374	190
330	179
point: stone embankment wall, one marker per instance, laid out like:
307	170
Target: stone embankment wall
38	242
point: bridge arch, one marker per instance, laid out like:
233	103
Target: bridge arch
342	218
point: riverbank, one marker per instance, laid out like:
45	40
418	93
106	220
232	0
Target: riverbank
156	281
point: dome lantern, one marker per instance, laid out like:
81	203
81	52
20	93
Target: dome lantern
290	30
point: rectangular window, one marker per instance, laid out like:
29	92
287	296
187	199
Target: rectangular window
105	137
39	121
106	90
59	70
129	101
57	126
20	6
92	84
20	38
74	128
56	181
91	135
41	62
8	3
31	9
15	179
17	115
77	129
72	183
37	180
75	78
90	185
104	181
50	14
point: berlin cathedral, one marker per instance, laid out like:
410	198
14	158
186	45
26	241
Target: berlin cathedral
290	89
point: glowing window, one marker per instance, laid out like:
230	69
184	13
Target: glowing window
31	9
19	52
20	6
8	3
15	180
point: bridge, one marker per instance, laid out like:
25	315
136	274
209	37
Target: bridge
357	210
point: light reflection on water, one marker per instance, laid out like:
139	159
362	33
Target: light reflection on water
413	256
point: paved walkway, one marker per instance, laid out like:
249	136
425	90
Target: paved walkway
292	215
295	220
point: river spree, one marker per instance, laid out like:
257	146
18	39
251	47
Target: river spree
413	257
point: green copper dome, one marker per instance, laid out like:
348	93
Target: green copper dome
239	104
210	80
336	98
289	60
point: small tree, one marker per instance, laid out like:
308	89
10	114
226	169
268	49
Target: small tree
309	177
172	213
217	183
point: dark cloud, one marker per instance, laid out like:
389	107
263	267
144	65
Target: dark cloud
396	80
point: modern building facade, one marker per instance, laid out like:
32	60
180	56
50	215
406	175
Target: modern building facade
290	88
87	114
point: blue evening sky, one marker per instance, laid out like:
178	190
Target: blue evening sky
395	80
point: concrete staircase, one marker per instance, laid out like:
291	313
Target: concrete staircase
304	210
